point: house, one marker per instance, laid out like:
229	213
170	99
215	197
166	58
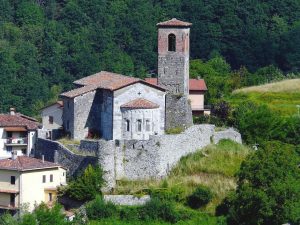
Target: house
113	106
17	133
26	181
52	120
197	90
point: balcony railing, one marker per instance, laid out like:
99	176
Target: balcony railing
17	141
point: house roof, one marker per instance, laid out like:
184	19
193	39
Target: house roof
197	85
174	23
59	103
24	163
18	120
194	84
140	103
104	80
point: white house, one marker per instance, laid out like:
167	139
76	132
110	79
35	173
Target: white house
52	119
26	181
17	133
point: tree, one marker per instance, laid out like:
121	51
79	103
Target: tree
268	189
88	185
257	123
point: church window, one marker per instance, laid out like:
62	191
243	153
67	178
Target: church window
139	125
127	125
147	125
172	43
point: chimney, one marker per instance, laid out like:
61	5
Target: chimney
12	111
14	155
198	77
43	158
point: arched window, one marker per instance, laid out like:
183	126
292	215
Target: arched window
148	125
172	43
127	125
139	125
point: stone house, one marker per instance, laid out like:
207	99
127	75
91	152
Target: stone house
52	119
27	181
17	133
113	106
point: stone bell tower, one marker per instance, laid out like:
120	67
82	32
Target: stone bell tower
173	56
173	71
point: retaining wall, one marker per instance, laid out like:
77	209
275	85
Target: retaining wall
135	159
55	152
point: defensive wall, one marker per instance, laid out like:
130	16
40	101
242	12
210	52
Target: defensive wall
136	159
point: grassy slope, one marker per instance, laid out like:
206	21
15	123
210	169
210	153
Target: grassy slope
213	166
282	97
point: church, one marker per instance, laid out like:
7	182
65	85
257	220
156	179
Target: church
114	107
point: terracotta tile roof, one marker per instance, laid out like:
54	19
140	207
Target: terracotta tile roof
197	85
104	80
60	103
23	163
140	104
174	23
18	120
151	80
194	84
79	91
107	80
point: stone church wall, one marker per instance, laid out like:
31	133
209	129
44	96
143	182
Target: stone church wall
133	92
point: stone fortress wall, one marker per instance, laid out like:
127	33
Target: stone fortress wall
135	159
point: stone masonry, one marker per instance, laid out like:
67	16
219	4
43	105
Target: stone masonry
178	112
135	159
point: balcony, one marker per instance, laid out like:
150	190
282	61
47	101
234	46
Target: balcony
17	141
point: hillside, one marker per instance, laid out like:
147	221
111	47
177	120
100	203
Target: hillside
214	166
285	86
282	96
45	45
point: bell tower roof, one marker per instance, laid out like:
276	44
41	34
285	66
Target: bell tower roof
174	23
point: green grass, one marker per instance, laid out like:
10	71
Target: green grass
68	141
224	158
281	97
213	166
287	86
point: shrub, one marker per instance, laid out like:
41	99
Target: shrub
98	209
200	197
130	213
268	189
158	209
47	216
88	185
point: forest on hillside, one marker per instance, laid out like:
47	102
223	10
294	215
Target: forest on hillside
46	44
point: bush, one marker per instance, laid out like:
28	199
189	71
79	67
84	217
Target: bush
98	209
130	213
200	197
88	185
268	189
158	209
